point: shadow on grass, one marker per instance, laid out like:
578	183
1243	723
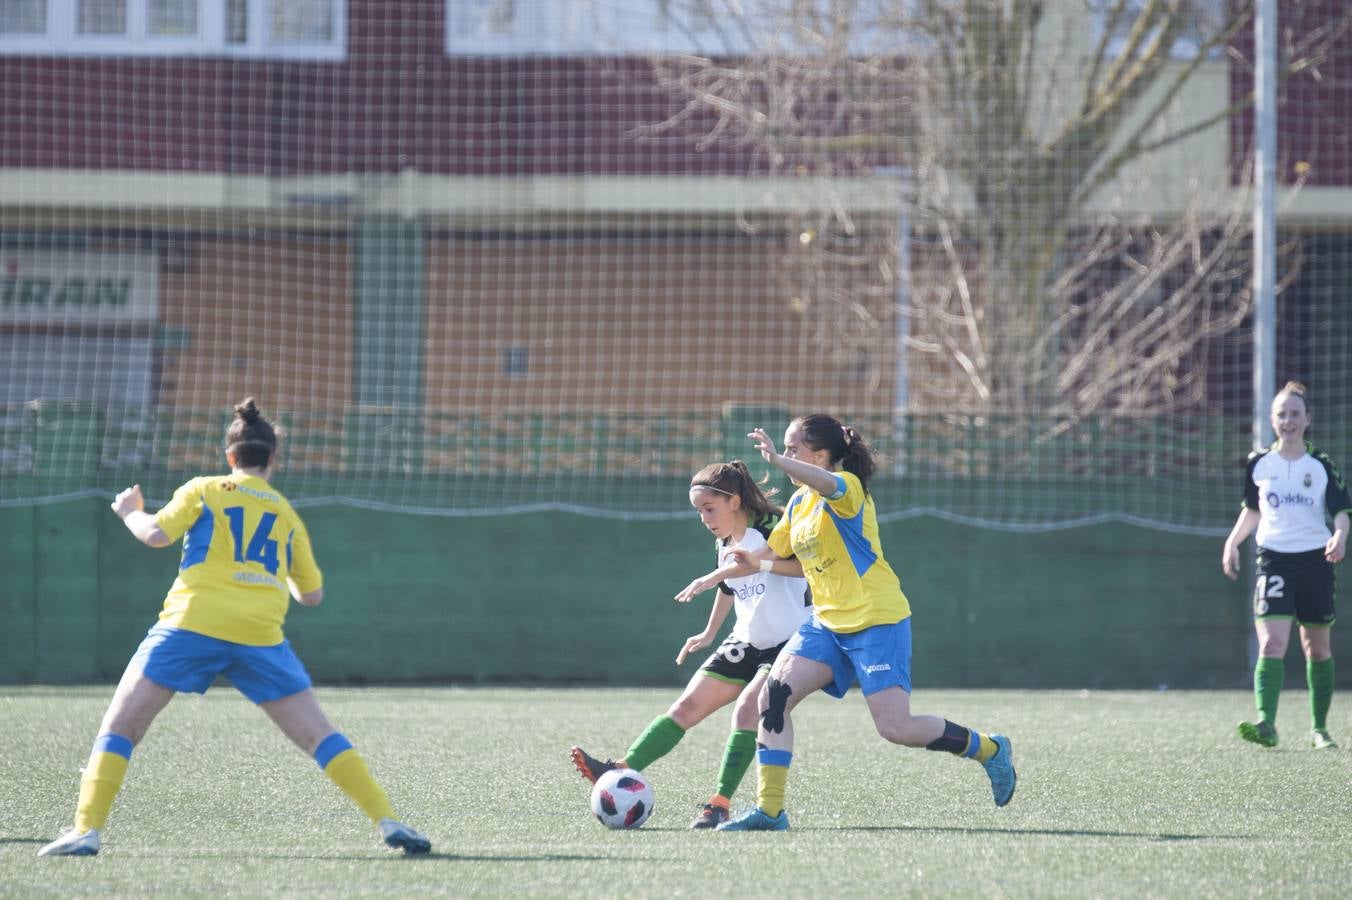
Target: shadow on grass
1044	832
396	858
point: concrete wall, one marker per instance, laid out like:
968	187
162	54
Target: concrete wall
563	598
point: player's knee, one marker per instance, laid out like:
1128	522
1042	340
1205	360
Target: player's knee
900	731
1272	646
746	713
686	713
774	705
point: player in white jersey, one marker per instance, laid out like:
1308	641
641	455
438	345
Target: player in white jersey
1289	491
769	608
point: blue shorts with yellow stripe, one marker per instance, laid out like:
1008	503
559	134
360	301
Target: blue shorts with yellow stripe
186	661
877	658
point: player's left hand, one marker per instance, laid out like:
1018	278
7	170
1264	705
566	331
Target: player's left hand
1336	548
693	643
764	444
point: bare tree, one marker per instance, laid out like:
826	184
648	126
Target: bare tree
1014	118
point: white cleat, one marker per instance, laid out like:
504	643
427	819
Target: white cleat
72	843
396	835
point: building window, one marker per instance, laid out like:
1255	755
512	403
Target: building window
526	27
261	29
23	17
177	18
102	17
303	20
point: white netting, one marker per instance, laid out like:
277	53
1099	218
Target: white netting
495	256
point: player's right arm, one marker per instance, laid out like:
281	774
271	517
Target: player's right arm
1244	526
717	616
745	562
130	508
1247	521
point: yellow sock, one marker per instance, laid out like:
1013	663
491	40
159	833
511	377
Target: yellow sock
101	781
772	776
346	768
986	747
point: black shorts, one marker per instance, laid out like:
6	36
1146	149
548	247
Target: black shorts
737	662
1294	585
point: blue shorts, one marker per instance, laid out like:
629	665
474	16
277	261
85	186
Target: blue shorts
877	658
189	662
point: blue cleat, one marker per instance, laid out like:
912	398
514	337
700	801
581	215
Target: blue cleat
757	820
399	836
1000	768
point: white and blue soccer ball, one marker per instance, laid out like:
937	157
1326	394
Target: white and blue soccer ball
622	798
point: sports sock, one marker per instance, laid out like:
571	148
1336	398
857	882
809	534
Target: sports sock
772	777
1268	673
655	742
345	767
737	757
964	742
1319	675
101	781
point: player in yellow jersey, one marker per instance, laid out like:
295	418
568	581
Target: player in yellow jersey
860	631
243	548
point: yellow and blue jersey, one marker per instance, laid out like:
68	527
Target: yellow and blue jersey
836	540
241	542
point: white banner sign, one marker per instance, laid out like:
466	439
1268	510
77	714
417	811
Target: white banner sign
74	286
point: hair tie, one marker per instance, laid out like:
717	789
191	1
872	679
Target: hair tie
846	432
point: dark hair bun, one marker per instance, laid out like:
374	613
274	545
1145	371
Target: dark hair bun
248	410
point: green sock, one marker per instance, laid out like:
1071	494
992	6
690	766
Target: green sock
737	758
1267	687
1319	675
654	743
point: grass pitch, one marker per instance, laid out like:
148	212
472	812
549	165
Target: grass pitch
1120	795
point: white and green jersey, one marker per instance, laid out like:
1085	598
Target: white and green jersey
1293	498
769	607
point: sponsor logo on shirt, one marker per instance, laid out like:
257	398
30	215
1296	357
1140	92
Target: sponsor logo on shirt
256	578
748	591
1276	501
252	492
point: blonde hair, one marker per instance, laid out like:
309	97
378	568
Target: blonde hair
1296	389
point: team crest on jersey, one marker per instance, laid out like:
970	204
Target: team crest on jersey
228	485
1308	479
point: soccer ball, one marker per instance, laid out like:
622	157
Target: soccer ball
622	798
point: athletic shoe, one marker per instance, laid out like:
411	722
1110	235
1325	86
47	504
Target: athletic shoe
1262	733
711	816
1320	740
588	766
1000	768
73	843
757	820
400	837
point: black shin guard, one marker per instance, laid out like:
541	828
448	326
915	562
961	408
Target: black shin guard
954	740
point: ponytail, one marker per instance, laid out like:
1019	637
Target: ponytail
846	445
